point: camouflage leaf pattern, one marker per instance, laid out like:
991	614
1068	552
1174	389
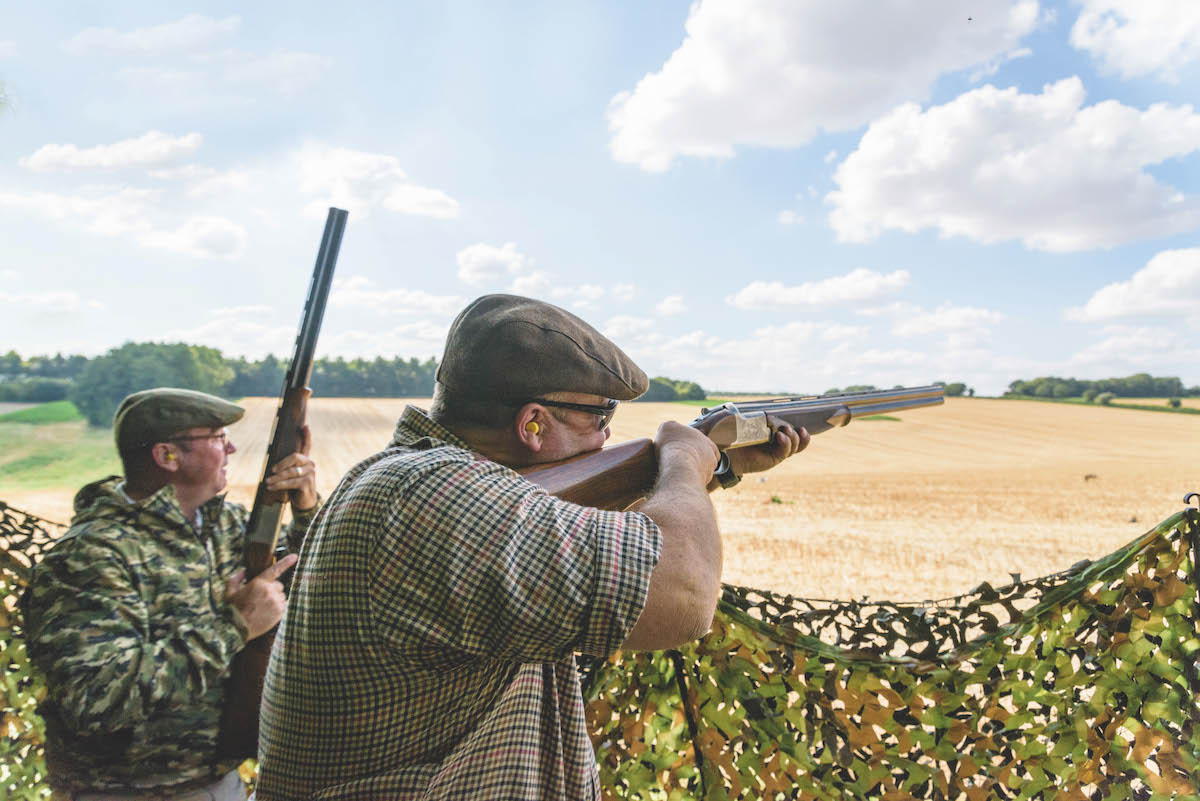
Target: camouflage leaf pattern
126	620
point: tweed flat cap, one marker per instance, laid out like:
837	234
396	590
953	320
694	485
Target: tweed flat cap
512	348
153	415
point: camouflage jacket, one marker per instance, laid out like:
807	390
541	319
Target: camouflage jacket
125	617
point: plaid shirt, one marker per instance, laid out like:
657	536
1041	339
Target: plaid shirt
427	649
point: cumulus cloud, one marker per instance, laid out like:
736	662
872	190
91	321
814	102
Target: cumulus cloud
789	217
187	32
202	236
418	338
996	165
8	49
623	293
582	296
627	327
774	73
1128	349
857	285
1136	38
1168	285
152	147
671	305
362	293
49	301
203	181
946	318
482	263
363	181
127	211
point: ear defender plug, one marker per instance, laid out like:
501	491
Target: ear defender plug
532	427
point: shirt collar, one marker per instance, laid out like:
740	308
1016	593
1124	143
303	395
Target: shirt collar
416	429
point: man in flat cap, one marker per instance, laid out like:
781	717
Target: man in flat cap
427	649
137	611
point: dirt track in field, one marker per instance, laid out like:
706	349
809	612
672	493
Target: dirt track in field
925	507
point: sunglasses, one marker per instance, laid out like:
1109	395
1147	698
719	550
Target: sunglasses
605	412
222	435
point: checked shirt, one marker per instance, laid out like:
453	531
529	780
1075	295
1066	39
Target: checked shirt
428	646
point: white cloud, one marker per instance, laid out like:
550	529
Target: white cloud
420	339
774	73
8	274
183	33
535	284
202	236
285	71
152	147
257	309
946	318
104	210
582	296
126	211
627	327
203	181
8	49
482	263
361	181
1136	38
360	292
50	301
623	293
996	165
789	217
1128	349
1168	285
236	335
858	285
671	305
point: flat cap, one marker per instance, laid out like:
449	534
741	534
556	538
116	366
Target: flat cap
512	348
153	415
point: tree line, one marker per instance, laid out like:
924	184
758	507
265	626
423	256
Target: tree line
96	385
1139	385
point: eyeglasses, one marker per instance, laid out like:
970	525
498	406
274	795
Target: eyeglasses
605	412
222	435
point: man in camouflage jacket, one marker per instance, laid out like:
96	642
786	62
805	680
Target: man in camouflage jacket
136	613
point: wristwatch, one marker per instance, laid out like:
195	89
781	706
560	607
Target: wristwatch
724	473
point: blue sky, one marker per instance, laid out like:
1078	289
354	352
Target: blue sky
764	196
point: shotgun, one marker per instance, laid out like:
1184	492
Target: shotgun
617	476
238	737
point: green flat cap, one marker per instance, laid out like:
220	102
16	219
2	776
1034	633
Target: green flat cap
153	415
512	348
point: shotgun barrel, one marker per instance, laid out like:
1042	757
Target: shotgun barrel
618	475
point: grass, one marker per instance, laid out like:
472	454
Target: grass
54	412
879	417
48	455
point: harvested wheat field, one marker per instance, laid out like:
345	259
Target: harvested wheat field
923	507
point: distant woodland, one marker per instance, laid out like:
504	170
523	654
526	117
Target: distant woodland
96	385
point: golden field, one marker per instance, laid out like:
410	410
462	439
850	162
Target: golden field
923	507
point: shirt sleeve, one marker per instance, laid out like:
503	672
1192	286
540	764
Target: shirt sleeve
107	668
298	527
476	560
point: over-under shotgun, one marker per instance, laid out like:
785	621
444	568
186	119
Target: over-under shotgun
243	691
616	476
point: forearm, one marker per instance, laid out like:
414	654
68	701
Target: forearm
686	582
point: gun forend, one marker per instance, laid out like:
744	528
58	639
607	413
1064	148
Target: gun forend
739	425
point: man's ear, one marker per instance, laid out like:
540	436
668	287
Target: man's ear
165	457
530	424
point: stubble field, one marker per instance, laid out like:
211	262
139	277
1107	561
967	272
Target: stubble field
923	507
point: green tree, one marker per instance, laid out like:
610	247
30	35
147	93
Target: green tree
955	389
661	390
136	366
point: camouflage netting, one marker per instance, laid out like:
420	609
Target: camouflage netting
1079	685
